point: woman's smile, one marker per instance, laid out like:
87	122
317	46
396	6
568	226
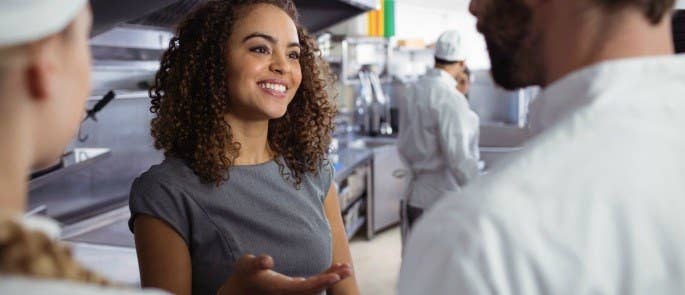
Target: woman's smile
273	87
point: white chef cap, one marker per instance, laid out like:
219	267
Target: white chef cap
449	47
23	21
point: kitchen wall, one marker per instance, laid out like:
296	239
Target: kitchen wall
123	127
426	20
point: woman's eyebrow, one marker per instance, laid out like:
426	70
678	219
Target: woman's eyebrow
261	35
269	38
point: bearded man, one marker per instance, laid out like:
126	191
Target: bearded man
594	202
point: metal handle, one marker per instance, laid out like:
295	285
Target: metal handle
399	173
39	210
103	102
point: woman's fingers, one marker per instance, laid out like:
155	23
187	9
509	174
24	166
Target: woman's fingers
256	272
265	262
310	285
320	282
250	264
344	270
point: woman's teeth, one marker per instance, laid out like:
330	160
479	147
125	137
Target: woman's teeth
275	87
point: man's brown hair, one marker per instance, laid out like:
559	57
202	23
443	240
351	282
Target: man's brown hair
654	10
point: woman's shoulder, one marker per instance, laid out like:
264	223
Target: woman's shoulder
166	192
323	175
170	171
326	168
170	177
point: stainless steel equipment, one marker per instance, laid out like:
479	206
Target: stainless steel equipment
494	104
388	180
372	105
360	53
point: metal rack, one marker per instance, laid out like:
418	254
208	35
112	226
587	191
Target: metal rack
358	52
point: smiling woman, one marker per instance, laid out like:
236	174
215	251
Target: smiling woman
244	121
191	96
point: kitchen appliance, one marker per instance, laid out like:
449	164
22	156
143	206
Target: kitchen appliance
372	105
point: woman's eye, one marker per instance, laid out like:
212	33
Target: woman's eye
294	55
260	50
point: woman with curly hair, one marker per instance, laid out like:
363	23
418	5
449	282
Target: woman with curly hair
244	121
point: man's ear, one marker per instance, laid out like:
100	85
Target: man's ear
39	71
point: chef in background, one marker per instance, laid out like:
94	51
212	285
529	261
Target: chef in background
464	80
438	136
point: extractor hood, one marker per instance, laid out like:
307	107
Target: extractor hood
130	36
315	15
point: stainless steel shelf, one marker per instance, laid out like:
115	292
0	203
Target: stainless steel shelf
71	162
350	203
349	159
355	227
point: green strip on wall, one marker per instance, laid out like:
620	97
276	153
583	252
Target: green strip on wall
389	18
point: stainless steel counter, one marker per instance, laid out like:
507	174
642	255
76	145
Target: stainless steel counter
104	244
348	159
500	135
118	264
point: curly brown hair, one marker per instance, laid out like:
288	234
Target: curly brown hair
190	97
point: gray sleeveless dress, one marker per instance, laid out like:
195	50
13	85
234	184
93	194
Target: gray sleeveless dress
256	211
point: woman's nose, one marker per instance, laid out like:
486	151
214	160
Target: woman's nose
279	64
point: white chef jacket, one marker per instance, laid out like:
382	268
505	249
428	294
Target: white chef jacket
12	284
438	137
594	205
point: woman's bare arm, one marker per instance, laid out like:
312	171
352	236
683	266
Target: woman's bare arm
341	250
163	256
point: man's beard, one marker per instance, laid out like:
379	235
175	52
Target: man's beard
512	44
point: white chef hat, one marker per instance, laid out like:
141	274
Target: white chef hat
23	21
449	47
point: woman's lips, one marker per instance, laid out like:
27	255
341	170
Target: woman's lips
275	88
273	92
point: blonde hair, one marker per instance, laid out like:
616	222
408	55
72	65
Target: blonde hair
30	253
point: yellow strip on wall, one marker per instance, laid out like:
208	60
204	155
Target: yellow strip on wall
381	21
369	23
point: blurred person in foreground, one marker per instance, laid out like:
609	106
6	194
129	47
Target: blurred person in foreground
44	84
593	204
